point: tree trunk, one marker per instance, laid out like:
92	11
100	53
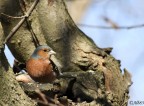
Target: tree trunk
11	93
97	75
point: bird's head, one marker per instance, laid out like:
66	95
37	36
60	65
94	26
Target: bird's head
43	51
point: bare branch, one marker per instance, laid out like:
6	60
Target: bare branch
12	16
14	30
34	37
43	96
106	27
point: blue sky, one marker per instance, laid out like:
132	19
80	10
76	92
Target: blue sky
128	45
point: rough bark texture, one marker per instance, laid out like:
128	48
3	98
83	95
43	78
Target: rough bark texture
21	44
101	78
11	94
95	74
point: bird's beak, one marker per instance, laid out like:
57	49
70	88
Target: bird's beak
51	52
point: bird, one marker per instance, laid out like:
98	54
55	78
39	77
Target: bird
39	66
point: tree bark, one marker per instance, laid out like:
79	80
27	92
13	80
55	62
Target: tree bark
95	74
11	94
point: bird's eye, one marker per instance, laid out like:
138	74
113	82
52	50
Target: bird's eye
45	50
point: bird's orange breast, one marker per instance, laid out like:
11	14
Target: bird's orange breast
40	70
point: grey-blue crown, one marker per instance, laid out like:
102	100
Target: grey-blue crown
34	55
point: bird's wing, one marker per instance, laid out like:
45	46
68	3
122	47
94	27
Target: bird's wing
57	67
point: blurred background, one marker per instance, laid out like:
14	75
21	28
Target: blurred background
118	24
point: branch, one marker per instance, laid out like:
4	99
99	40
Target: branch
105	27
12	16
14	30
35	39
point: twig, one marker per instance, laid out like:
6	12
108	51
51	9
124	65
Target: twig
49	104
43	96
55	101
105	27
14	30
12	16
46	98
34	37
